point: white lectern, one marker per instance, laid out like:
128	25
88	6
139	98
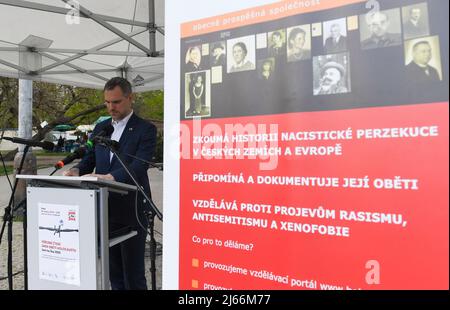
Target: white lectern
67	232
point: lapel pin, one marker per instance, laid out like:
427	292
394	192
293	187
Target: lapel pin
130	129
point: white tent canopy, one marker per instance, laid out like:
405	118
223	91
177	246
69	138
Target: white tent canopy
83	43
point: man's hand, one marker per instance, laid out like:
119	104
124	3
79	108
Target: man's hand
72	172
107	177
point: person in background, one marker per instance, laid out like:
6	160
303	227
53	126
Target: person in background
60	144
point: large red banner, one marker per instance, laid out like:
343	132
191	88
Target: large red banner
353	199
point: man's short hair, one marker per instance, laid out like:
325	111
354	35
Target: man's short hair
370	16
276	33
217	45
124	85
420	43
336	25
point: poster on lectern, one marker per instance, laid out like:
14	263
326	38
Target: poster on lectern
59	243
313	146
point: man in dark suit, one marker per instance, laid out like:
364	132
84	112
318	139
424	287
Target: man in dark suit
418	71
379	25
336	42
137	137
415	26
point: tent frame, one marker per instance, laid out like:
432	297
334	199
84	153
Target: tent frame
104	21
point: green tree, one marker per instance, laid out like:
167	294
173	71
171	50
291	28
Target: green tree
61	104
150	105
8	102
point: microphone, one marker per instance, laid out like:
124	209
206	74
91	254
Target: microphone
46	145
107	131
107	142
79	153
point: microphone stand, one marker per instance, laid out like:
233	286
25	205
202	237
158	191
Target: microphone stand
8	218
113	147
153	165
54	171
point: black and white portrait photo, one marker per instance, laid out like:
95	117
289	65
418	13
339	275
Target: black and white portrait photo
193	61
277	43
218	54
423	60
299	43
335	36
331	74
266	68
198	94
380	29
415	21
241	54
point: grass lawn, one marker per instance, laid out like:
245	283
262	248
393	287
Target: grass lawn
43	153
46	153
10	169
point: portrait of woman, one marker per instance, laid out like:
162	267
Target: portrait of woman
193	59
299	43
240	61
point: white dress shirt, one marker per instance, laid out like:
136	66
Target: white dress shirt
119	127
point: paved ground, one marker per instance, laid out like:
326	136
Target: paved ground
156	180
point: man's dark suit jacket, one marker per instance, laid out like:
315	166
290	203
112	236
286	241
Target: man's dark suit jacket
417	74
412	31
138	139
389	39
340	46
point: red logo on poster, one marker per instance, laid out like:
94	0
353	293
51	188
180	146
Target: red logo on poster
72	216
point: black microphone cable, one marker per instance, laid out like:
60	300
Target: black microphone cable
4	164
137	216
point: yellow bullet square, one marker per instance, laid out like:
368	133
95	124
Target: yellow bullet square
195	262
352	23
194	283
